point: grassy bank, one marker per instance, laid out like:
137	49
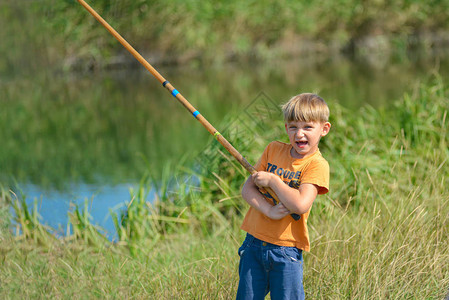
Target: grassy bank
381	233
180	31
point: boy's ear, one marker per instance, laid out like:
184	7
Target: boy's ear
326	128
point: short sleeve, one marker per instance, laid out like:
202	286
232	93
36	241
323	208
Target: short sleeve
262	163
317	173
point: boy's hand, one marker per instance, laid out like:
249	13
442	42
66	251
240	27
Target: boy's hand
278	211
263	179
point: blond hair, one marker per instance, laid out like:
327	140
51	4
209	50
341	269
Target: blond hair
306	107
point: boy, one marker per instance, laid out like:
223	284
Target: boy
271	255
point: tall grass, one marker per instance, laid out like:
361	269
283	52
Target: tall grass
388	216
28	223
81	230
5	217
381	233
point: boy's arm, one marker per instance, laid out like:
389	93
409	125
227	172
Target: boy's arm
254	198
296	201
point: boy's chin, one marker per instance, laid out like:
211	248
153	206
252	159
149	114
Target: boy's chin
302	152
298	153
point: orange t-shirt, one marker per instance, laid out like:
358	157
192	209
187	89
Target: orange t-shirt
313	169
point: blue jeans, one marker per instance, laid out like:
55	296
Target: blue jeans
265	267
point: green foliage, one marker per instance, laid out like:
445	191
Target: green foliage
425	119
81	230
415	130
180	31
136	226
28	224
5	216
141	225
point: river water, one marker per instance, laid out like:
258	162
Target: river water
69	137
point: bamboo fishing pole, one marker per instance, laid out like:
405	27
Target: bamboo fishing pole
181	99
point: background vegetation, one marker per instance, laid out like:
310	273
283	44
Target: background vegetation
62	32
114	126
382	231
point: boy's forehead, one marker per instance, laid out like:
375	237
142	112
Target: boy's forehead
300	122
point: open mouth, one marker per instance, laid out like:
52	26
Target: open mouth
301	144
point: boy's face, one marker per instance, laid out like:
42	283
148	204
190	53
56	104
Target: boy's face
305	136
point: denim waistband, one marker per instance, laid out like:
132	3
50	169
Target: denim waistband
251	240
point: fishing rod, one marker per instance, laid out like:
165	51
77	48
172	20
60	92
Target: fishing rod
175	93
